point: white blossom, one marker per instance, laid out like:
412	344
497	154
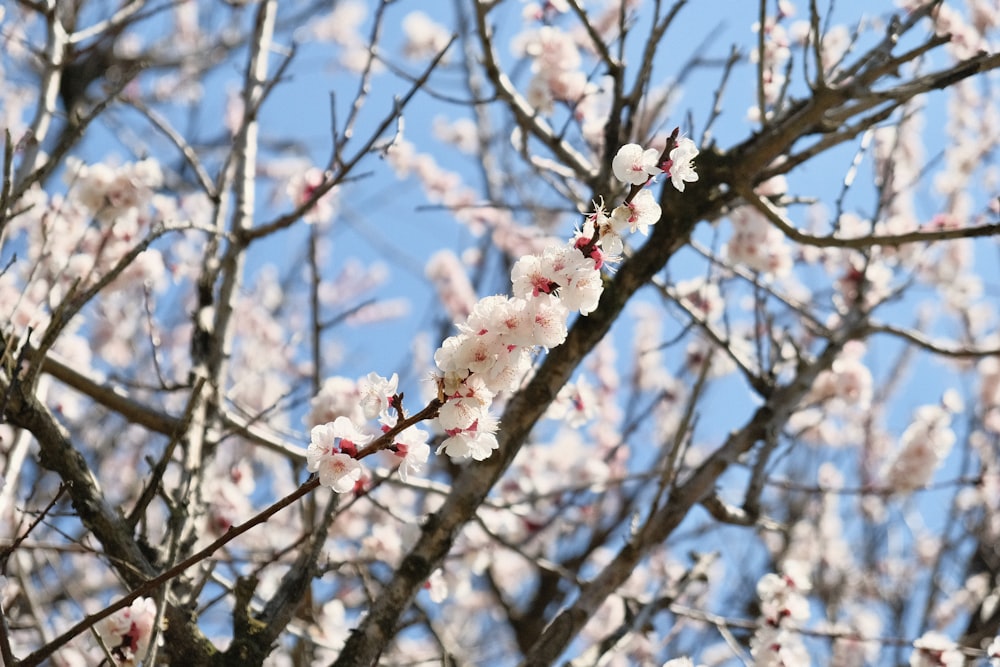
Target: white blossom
681	165
933	649
635	166
331	453
127	632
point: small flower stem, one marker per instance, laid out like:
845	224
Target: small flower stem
384	441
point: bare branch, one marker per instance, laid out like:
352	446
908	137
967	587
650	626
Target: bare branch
774	214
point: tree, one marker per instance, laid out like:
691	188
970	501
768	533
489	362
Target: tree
710	369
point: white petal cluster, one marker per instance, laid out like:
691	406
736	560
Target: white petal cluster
127	632
576	404
556	67
923	446
636	166
331	453
336	436
110	193
757	244
783	608
993	652
492	351
302	187
410	447
636	215
679	662
680	167
933	649
425	38
376	393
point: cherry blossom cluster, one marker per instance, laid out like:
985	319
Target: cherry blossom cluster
302	186
923	446
110	193
446	187
840	398
76	238
989	393
556	64
127	632
335	447
636	167
934	649
492	351
783	607
758	244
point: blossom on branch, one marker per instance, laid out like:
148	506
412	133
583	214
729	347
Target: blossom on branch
376	394
491	352
933	649
636	166
783	607
331	453
409	446
924	445
680	166
127	632
637	215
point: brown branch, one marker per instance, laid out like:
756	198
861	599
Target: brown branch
152	584
775	216
106	523
527	118
525	408
699	485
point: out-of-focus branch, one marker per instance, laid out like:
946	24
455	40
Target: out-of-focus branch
345	167
56	41
74	302
916	338
775	216
110	25
769	418
368	641
761	97
254	638
526	117
178	140
107	525
597	40
136	412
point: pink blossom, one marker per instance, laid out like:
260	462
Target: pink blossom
576	404
424	37
303	186
331	453
436	586
127	632
548	317
993	652
472	443
338	397
923	446
411	446
757	244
